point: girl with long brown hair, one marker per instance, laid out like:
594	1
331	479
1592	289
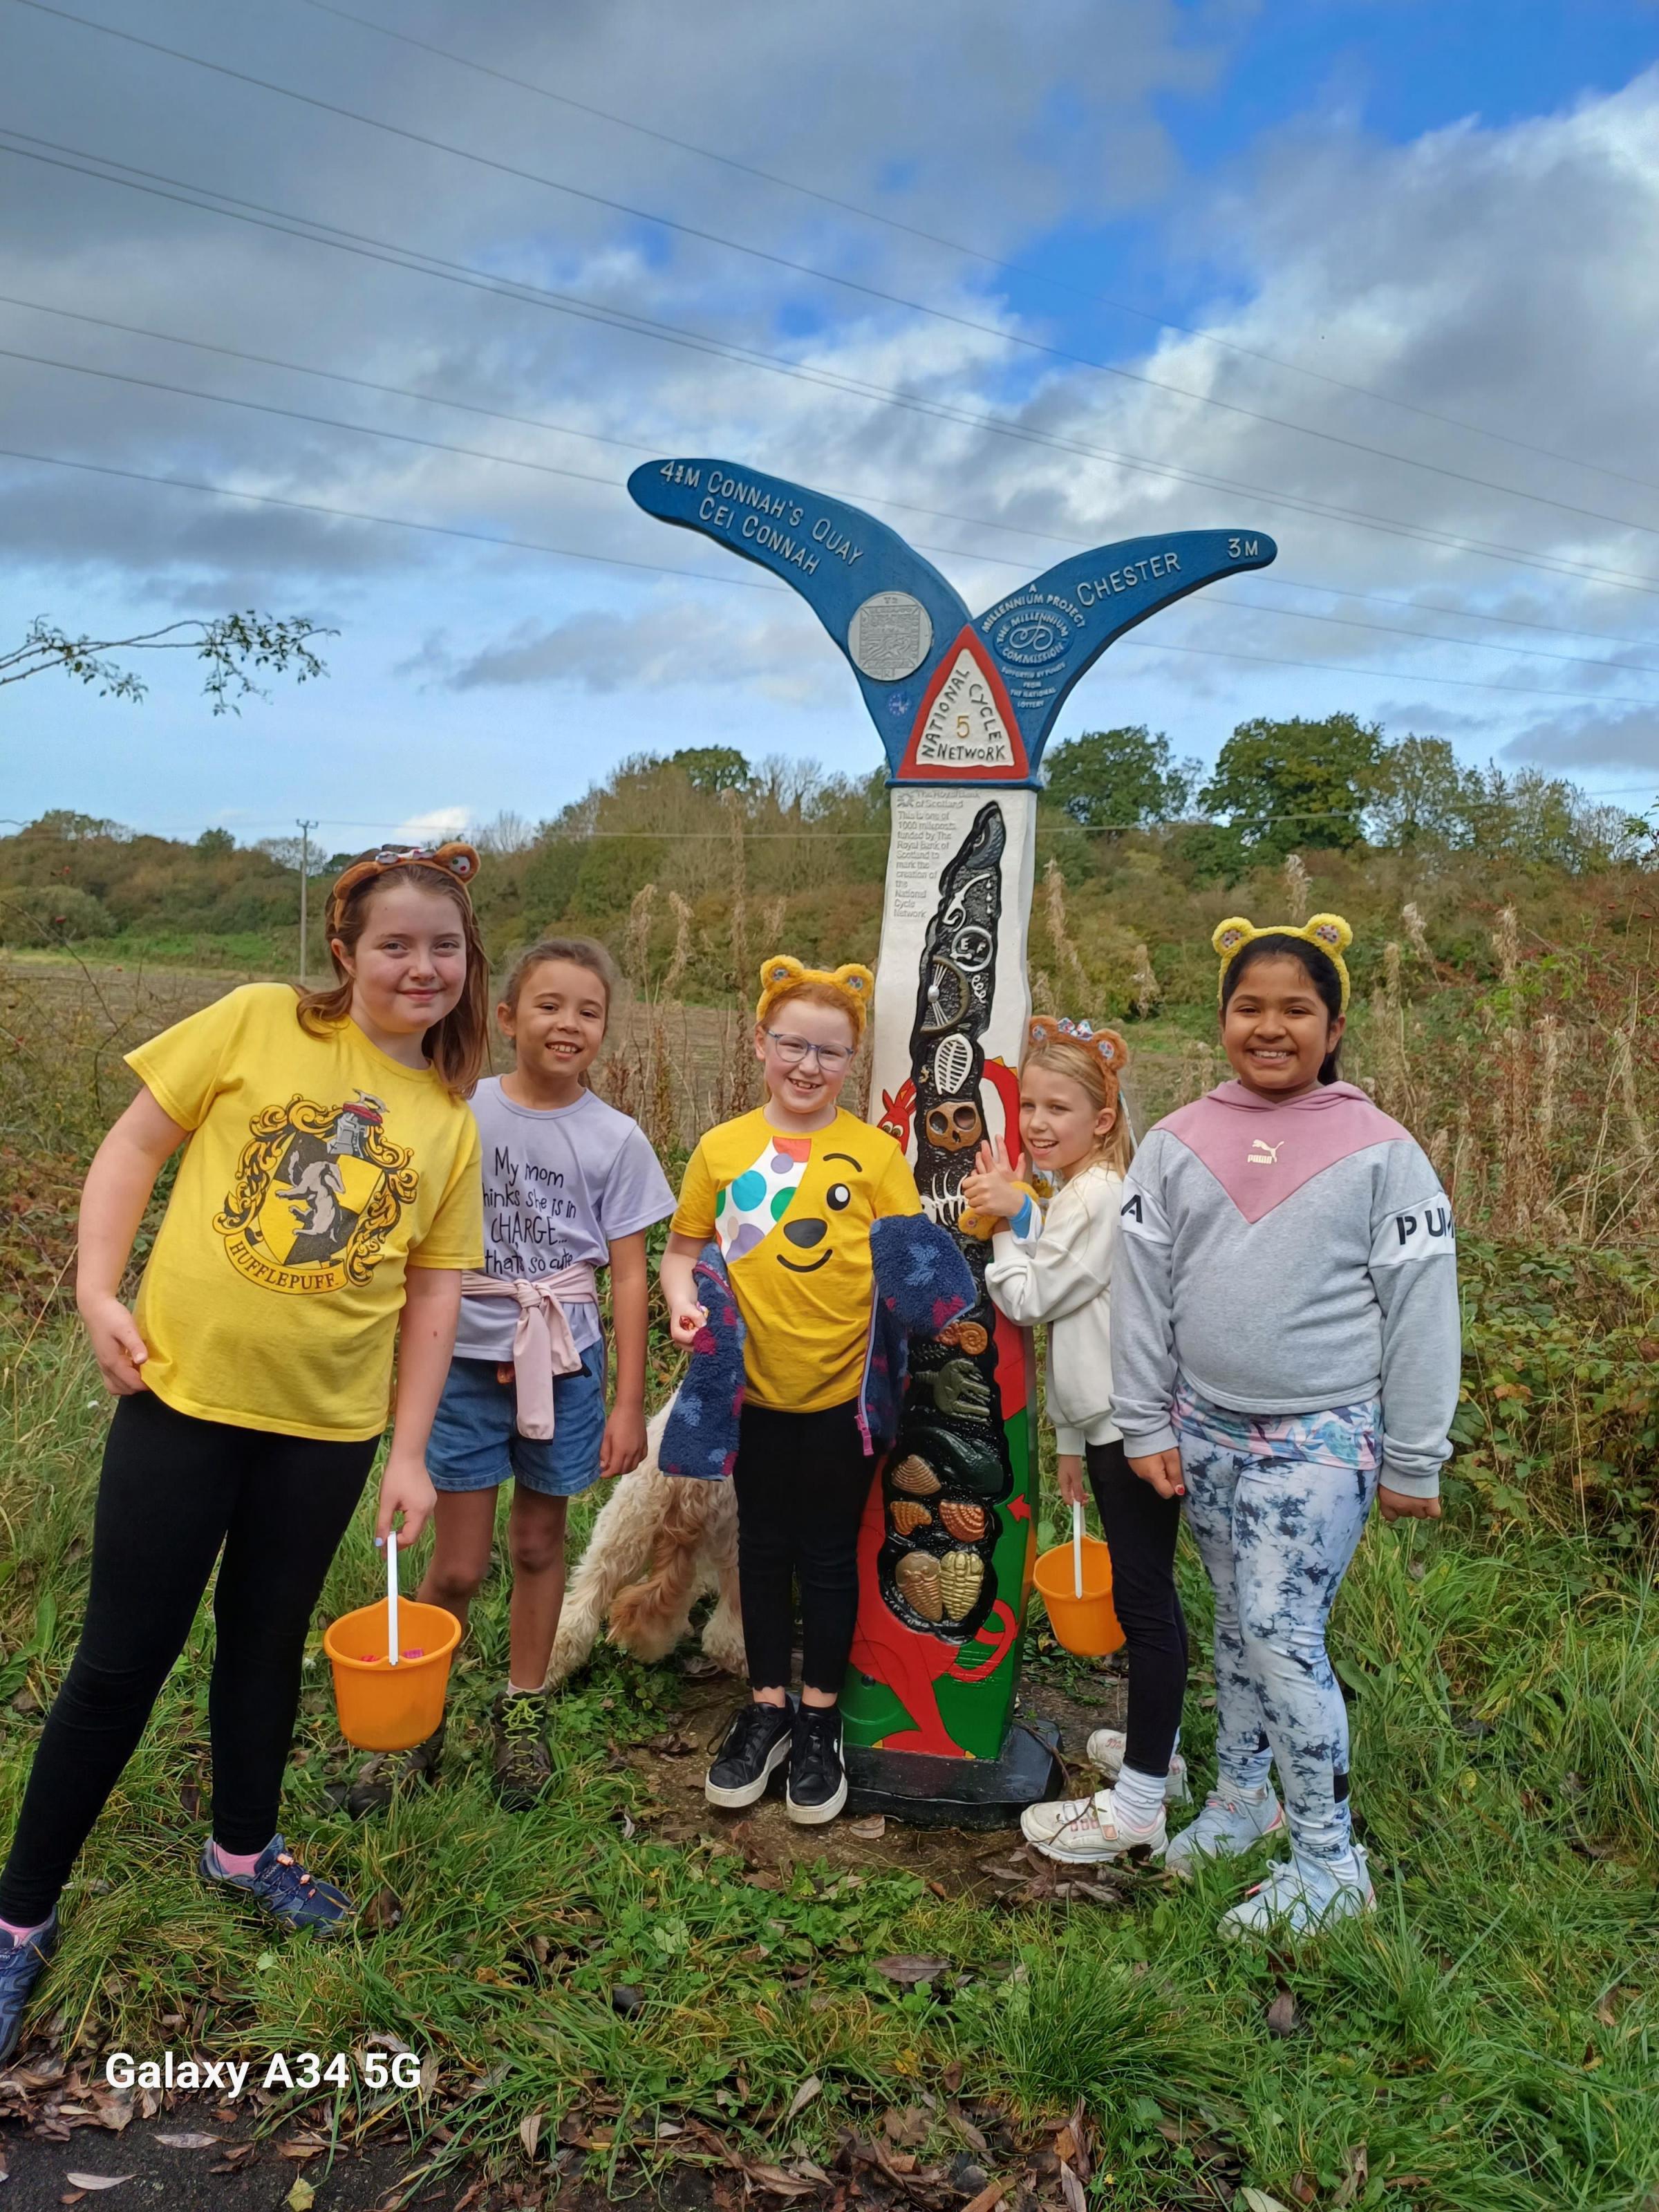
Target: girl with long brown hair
326	1202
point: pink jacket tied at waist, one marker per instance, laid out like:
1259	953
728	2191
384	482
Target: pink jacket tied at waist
542	1343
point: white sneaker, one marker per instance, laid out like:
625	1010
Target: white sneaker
1304	1896
1226	1825
1086	1830
1105	1750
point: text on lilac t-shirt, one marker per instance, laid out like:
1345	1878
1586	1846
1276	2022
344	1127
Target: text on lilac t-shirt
559	1186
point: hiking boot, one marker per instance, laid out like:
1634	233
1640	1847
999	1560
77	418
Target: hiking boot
757	1742
384	1775
1088	1831
20	1967
524	1765
1303	1896
1105	1750
280	1886
1227	1826
817	1780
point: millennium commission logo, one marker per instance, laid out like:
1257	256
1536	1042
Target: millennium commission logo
1033	632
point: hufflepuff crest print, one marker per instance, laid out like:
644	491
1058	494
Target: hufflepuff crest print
318	1191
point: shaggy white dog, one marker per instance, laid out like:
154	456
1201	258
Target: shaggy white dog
660	1542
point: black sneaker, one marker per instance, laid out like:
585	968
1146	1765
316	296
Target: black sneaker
20	1966
817	1780
524	1765
756	1742
388	1774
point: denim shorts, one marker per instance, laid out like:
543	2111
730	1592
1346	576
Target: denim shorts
475	1444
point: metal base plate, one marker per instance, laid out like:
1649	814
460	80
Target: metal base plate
928	1792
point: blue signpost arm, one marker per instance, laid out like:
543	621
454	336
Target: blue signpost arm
836	556
1045	634
956	699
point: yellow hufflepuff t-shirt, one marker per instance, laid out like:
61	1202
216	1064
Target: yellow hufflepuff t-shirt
792	1217
318	1171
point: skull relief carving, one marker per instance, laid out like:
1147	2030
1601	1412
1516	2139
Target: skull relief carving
955	1127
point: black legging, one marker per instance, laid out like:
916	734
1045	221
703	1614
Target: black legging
174	1491
801	1480
1140	1529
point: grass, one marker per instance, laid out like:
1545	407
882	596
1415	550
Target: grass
1488	2043
1491	2039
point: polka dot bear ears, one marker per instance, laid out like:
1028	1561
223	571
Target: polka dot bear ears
852	984
1328	933
1106	1044
454	858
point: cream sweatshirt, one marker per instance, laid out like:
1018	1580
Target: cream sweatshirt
1060	1271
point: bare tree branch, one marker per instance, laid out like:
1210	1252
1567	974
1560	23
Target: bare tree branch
232	648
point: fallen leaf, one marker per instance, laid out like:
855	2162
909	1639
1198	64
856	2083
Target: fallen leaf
804	2096
910	1970
1357	2172
301	2197
776	2181
191	2139
96	2180
993	2193
869	1830
1258	2201
1281	2014
1071	2189
530	2133
908	2128
383	1911
666	2129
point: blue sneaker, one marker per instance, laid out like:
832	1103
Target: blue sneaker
280	1886
20	1966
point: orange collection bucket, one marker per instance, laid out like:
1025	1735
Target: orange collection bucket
383	1707
1088	1625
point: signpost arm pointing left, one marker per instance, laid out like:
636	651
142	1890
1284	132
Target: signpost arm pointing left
835	556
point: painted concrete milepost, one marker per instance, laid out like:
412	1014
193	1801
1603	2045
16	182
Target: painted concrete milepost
963	705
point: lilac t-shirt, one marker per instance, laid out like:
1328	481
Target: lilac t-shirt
558	1187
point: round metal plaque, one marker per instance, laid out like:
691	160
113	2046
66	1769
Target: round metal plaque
889	636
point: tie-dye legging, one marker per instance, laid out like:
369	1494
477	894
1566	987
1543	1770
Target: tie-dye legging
1276	1535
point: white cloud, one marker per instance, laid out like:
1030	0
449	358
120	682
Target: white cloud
1507	275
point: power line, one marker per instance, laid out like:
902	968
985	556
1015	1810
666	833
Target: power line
977	253
822	276
608	484
314	232
381	521
742	583
873	498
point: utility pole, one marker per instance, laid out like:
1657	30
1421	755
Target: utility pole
305	829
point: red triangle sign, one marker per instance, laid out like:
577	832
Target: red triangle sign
966	730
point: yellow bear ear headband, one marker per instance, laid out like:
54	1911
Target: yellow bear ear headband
1328	933
854	986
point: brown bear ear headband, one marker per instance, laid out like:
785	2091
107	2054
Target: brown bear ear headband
1328	931
1106	1044
454	859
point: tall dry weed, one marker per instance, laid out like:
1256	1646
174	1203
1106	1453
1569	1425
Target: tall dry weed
1298	889
1067	958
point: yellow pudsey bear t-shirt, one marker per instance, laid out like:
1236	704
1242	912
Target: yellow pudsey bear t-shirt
792	1217
318	1171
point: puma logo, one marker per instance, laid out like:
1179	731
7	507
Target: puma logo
1263	1155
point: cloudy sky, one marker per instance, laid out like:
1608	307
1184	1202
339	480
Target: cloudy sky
300	314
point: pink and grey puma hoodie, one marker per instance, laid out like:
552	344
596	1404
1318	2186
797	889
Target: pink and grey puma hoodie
1286	1257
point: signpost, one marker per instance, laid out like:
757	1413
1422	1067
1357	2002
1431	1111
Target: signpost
963	705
